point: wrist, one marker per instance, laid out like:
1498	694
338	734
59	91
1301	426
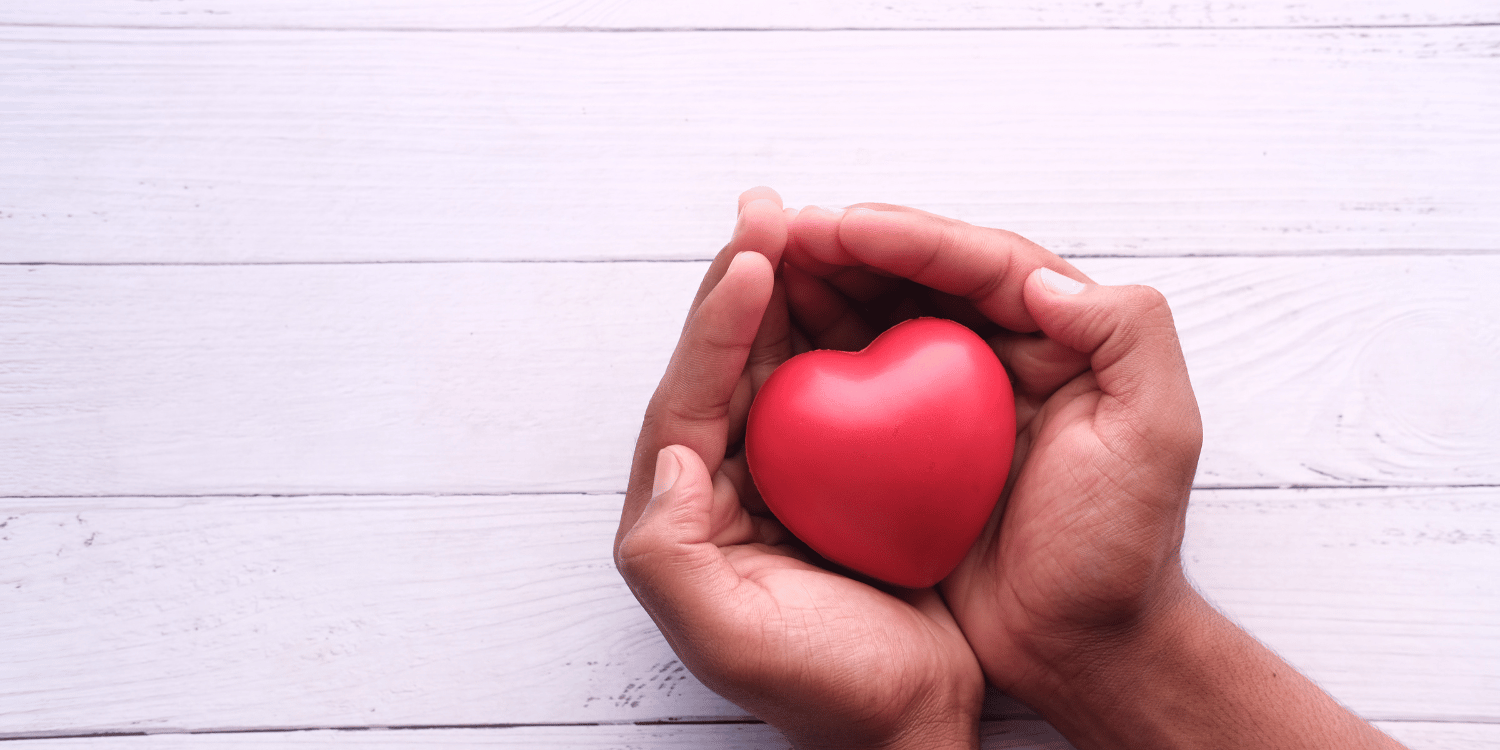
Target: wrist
938	739
1081	659
959	731
1187	677
1096	685
936	725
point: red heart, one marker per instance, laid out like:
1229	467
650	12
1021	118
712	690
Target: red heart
888	460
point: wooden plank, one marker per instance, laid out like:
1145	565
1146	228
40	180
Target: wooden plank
151	615
1444	736
359	379
132	615
1387	598
495	378
1016	735
268	145
1000	735
800	14
128	615
1329	371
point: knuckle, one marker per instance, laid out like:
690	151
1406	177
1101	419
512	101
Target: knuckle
1147	306
636	556
677	405
682	413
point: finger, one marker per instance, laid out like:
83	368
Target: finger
988	267
800	342
1136	358
691	406
760	192
668	555
814	246
875	206
773	341
1038	365
772	346
818	227
827	318
861	284
760	227
737	471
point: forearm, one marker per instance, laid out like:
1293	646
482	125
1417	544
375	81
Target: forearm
1192	679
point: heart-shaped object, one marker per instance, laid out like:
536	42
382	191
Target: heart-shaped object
887	460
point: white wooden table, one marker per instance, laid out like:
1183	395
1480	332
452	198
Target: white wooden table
325	329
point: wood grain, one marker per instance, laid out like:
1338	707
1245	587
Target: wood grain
207	146
1003	735
1367	591
336	378
496	378
355	493
1011	735
1444	736
801	14
140	614
1329	371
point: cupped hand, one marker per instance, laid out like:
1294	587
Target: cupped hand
1083	547
830	661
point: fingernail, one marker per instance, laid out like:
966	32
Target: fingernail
1058	283
819	210
859	209
667	469
736	264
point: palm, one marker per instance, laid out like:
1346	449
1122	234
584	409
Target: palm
1059	555
1029	570
1074	547
824	637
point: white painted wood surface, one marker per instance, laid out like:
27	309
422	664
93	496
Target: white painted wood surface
256	145
483	610
1017	734
766	14
530	377
1022	734
272	459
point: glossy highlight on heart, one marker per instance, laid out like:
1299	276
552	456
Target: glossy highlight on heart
889	460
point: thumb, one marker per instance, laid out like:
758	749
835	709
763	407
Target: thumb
1133	349
668	557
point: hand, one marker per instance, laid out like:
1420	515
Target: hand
830	661
1108	430
1074	598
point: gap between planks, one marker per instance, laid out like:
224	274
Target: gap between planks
1324	253
748	736
737	29
669	15
1015	735
620	491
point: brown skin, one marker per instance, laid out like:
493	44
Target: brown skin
1073	599
830	661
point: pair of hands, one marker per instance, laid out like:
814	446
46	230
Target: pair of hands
1079	559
